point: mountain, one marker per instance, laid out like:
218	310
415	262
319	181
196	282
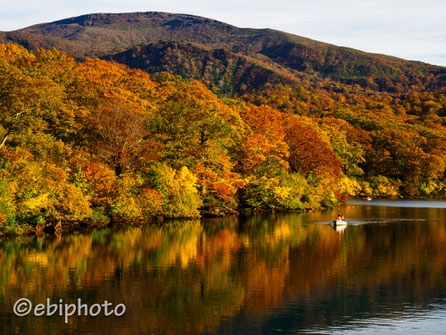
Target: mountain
191	45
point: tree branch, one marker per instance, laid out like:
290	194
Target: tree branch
8	131
4	140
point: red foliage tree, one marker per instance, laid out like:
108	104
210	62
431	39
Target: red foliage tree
309	153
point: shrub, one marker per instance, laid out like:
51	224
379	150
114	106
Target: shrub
178	188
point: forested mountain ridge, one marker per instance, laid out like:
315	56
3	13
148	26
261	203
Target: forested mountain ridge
103	35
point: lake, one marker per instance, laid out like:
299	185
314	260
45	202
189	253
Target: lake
262	274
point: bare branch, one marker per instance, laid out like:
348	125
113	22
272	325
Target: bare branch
19	113
4	140
9	129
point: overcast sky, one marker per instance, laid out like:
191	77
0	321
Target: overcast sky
409	29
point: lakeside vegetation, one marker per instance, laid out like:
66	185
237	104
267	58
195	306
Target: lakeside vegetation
95	142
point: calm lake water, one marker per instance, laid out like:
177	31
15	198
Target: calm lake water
266	274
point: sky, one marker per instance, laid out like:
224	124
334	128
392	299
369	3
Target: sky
414	30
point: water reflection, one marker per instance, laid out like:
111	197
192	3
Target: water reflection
401	203
339	228
235	275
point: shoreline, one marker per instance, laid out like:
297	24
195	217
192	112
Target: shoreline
55	228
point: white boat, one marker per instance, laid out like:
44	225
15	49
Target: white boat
340	223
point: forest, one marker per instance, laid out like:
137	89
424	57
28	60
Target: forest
94	142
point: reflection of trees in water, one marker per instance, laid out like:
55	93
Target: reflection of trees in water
189	277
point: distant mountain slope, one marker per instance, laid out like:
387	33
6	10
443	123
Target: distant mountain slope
103	35
226	72
34	41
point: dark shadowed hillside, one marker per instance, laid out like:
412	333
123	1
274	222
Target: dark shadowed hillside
226	72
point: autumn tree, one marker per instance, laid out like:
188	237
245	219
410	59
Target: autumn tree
27	99
309	153
263	150
119	134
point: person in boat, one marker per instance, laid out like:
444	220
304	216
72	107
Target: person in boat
338	218
342	217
